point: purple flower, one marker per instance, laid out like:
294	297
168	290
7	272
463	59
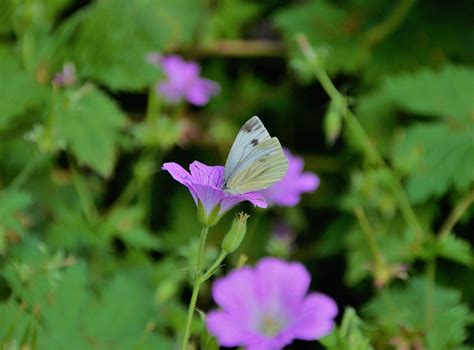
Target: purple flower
287	192
183	81
267	307
205	184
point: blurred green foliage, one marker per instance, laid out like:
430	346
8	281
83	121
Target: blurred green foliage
96	245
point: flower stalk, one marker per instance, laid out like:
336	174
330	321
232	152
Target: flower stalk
197	286
360	136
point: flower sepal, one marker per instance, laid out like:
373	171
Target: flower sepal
210	219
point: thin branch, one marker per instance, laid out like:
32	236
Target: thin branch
456	214
370	235
381	31
242	48
360	136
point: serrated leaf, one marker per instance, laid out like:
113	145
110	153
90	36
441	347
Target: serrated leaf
72	315
90	122
349	336
437	157
112	38
404	309
455	249
447	92
18	92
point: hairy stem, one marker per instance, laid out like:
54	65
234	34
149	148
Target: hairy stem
26	172
242	48
361	137
456	214
430	278
197	285
381	31
370	235
86	199
208	274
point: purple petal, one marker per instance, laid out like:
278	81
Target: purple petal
255	198
267	343
316	316
177	172
232	200
209	196
235	294
282	286
176	66
200	92
229	330
171	92
288	191
207	175
308	182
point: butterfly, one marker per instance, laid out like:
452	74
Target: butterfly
256	160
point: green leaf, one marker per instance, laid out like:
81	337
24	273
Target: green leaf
73	315
13	323
230	17
349	336
19	93
437	157
12	203
111	38
326	26
90	122
447	92
376	113
402	311
127	224
455	249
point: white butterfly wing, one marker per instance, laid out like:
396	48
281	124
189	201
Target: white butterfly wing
256	160
252	133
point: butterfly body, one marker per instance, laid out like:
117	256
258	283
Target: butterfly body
256	160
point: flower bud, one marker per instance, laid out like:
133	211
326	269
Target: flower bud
236	234
332	124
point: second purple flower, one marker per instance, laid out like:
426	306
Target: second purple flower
266	307
183	81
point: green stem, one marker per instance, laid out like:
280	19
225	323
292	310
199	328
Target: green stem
380	32
430	277
85	196
456	214
197	285
371	241
153	107
26	172
361	136
208	274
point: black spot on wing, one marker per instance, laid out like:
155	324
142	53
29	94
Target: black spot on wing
252	124
254	142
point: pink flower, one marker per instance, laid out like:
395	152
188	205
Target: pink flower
287	192
267	307
206	186
183	81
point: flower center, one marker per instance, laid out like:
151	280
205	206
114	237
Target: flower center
271	325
